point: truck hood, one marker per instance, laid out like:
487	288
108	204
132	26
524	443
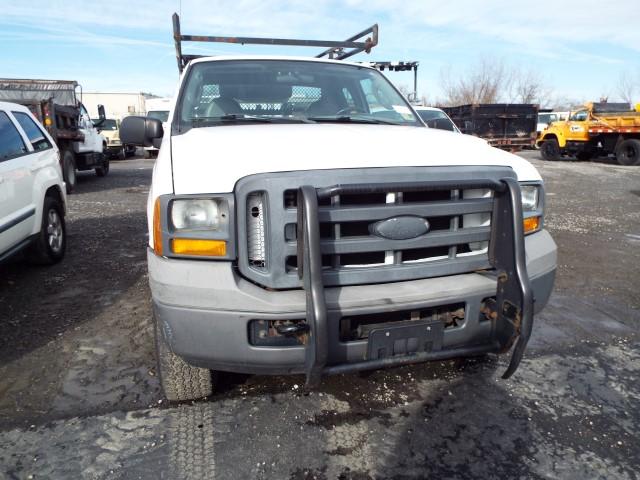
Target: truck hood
213	159
111	134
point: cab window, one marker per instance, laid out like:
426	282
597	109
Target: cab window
580	116
11	144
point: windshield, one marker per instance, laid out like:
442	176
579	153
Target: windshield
162	115
275	91
106	124
547	118
437	119
579	116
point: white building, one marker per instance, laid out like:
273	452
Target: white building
116	105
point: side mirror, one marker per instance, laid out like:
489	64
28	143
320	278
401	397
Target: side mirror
101	114
141	131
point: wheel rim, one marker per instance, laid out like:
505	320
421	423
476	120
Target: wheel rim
631	152
550	149
55	232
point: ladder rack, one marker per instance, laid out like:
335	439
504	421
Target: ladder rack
334	49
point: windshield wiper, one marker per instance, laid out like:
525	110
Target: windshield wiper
238	118
348	119
229	118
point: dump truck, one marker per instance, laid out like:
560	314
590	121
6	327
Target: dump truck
509	126
55	104
598	129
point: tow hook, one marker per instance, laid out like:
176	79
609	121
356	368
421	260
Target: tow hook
292	329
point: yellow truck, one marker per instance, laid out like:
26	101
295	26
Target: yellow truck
595	130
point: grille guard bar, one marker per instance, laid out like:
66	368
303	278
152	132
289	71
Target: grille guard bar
514	295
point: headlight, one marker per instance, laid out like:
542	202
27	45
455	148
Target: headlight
186	226
196	214
530	196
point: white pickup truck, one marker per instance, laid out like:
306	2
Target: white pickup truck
304	220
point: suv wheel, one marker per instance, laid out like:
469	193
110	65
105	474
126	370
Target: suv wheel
628	152
51	242
69	170
550	150
180	381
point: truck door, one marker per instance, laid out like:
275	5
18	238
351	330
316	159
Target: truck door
578	126
92	139
17	209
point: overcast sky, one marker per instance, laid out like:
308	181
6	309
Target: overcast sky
580	48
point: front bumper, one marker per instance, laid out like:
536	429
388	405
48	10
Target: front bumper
205	308
114	147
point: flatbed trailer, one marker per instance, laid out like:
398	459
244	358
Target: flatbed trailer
598	129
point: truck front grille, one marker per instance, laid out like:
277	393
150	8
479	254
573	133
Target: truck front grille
352	251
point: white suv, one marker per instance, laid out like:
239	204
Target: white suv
32	192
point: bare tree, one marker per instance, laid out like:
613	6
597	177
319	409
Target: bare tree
484	83
627	87
404	90
564	103
527	86
491	81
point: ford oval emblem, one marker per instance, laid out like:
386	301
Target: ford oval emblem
400	228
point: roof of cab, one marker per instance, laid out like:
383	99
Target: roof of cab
14	107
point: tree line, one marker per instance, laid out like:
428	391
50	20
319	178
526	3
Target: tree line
493	81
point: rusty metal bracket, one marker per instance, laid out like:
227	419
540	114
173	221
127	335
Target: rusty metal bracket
514	295
310	272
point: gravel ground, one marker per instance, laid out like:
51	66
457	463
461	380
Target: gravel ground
79	396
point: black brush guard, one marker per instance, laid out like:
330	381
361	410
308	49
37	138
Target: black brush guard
514	295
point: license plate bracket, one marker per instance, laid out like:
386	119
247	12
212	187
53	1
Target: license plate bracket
405	339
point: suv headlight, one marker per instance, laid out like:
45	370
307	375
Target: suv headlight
532	196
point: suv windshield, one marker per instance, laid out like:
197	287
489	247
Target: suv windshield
274	91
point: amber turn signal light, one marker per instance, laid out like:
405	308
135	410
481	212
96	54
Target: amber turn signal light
157	228
531	224
203	248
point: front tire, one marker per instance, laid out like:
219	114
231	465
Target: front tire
51	243
550	150
628	152
104	169
180	381
69	170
